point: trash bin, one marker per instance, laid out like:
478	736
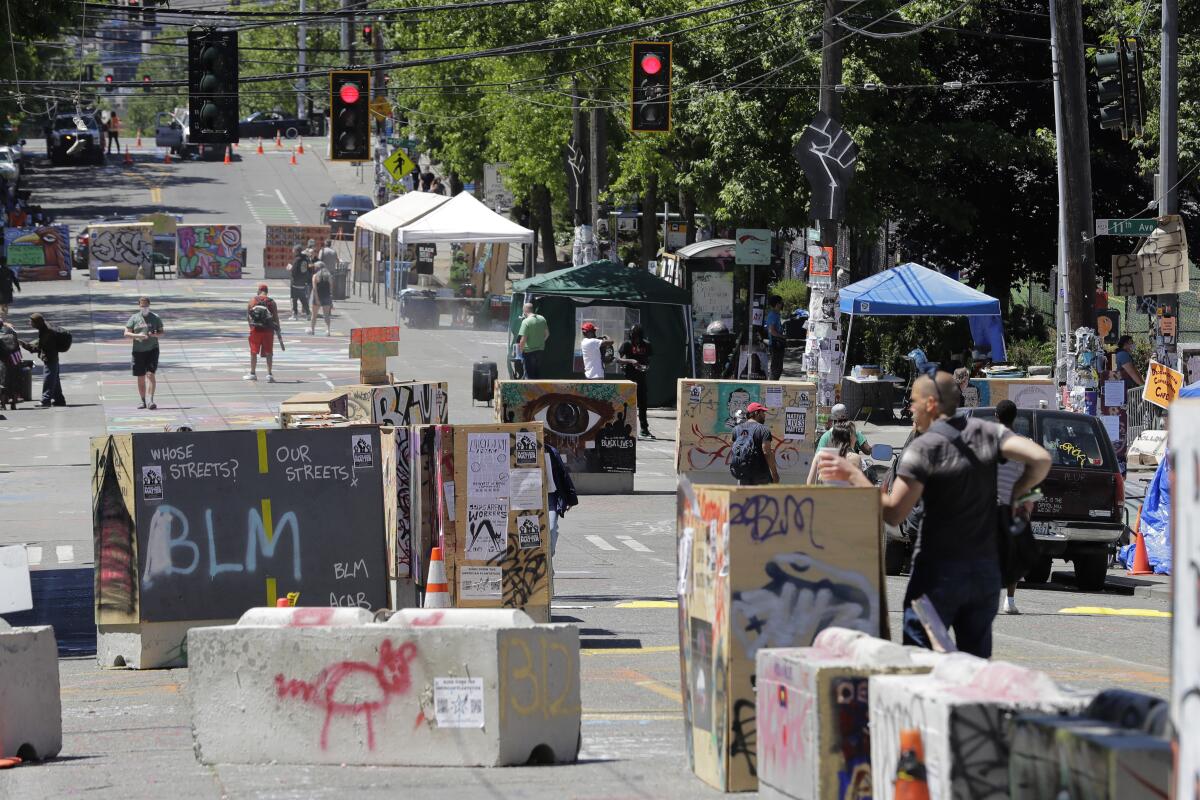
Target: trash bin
340	276
714	353
25	382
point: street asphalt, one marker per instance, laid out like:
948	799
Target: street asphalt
127	734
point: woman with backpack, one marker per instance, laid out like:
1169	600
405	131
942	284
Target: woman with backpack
10	366
322	299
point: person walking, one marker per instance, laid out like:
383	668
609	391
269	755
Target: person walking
300	272
322	299
263	316
560	492
328	256
592	348
144	328
776	341
635	354
10	366
951	465
8	281
531	341
48	347
114	132
1007	476
752	456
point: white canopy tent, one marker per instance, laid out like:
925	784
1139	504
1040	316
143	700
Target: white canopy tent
463	219
374	232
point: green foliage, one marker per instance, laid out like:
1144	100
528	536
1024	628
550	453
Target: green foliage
887	340
1025	353
793	292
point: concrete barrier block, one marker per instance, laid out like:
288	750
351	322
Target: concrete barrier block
304	616
423	689
30	708
812	708
146	645
964	710
1088	758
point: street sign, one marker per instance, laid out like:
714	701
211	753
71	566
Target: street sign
398	164
1125	227
752	246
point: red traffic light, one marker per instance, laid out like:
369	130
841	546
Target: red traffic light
651	64
366	30
108	78
349	93
145	79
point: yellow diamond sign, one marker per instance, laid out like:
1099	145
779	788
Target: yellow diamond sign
398	164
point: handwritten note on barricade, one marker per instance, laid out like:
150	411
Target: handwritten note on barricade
1126	276
1162	384
1163	258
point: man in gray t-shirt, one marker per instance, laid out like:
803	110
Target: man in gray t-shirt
951	465
328	256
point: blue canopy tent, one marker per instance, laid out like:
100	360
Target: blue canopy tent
916	291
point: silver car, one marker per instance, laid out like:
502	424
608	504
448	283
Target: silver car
10	165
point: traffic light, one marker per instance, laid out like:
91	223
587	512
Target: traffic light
367	35
145	83
149	18
1119	88
1135	95
108	87
349	117
650	109
134	13
213	86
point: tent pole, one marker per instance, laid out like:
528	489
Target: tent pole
846	349
687	324
749	327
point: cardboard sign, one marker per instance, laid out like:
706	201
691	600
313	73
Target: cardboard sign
1162	384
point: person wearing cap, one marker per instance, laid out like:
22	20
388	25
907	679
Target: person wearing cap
263	325
839	413
592	348
763	469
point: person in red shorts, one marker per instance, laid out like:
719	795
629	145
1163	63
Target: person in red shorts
263	317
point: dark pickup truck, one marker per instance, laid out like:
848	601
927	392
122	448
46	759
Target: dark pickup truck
1081	516
75	138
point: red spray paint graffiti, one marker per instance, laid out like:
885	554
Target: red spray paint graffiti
391	675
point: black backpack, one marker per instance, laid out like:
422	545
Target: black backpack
63	339
742	455
259	316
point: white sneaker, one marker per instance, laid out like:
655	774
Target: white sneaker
1010	605
250	377
270	378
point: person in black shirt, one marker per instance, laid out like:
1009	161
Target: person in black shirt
635	354
301	275
765	470
47	349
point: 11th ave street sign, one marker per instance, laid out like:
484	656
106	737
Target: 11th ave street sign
1125	227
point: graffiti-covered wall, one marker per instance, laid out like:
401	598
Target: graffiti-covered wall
42	253
762	567
707	416
127	247
590	423
209	251
280	239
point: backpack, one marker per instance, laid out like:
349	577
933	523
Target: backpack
742	455
63	339
8	343
259	315
323	275
606	353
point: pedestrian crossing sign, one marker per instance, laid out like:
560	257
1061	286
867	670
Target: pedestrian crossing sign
398	164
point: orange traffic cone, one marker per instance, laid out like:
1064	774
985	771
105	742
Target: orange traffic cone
128	158
300	149
228	155
259	150
283	602
910	770
201	151
1141	561
278	141
293	158
138	143
167	157
437	593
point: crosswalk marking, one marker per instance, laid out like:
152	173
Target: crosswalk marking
600	542
35	555
65	553
633	544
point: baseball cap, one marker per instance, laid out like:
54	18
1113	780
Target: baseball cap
839	412
262	287
587	326
754	408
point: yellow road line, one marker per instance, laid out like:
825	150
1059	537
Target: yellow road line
621	651
1116	612
649	604
155	194
661	689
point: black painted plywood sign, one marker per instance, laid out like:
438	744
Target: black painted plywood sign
230	520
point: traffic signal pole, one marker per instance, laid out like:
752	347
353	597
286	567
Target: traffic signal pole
1168	109
301	65
830	101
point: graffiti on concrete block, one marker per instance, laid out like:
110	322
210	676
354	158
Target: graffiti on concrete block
39	254
209	251
590	423
127	247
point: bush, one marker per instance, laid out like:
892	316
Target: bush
460	270
1030	352
794	293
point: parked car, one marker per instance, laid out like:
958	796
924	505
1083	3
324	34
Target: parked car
172	131
75	138
342	211
268	123
10	165
1081	515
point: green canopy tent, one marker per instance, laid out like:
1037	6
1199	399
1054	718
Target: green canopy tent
663	309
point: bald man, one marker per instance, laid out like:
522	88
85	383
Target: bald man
531	341
951	465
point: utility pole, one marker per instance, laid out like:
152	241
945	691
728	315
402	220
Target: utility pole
348	33
830	100
1074	167
302	65
377	89
1168	110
